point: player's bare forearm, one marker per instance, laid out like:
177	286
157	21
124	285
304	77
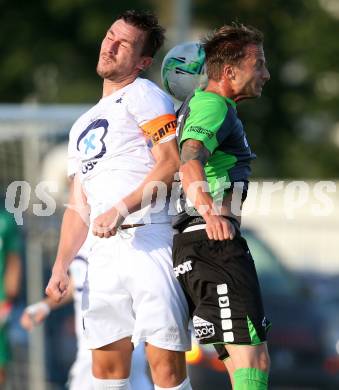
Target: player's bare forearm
72	235
166	166
193	158
74	227
163	172
195	187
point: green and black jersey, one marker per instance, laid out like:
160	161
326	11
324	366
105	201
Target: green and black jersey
212	119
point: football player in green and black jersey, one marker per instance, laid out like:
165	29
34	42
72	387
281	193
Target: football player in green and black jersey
211	258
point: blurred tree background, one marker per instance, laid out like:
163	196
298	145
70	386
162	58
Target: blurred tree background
49	50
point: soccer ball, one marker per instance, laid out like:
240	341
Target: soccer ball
183	70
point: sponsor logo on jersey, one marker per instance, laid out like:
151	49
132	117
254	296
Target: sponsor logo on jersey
91	144
183	268
200	130
202	328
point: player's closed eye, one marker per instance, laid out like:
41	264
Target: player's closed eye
260	64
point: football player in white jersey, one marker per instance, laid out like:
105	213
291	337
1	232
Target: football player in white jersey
122	155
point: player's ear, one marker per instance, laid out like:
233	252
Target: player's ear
228	72
145	62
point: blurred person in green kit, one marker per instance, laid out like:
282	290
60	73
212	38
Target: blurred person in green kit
10	279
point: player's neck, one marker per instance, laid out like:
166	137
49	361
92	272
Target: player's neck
110	86
220	88
225	89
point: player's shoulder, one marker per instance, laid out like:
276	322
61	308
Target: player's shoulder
146	88
208	105
147	101
208	99
143	84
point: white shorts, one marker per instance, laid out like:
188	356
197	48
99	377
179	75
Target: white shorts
131	290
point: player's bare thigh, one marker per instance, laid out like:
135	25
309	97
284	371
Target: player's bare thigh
113	361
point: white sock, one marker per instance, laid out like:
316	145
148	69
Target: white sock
111	384
185	385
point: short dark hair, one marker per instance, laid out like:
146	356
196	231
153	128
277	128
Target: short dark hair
148	22
227	45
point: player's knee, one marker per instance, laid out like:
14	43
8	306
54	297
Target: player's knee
112	361
107	370
168	372
164	374
100	371
250	357
260	360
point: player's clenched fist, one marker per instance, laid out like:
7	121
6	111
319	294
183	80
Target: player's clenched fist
57	285
219	228
106	224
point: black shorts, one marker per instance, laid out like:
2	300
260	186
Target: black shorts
221	285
